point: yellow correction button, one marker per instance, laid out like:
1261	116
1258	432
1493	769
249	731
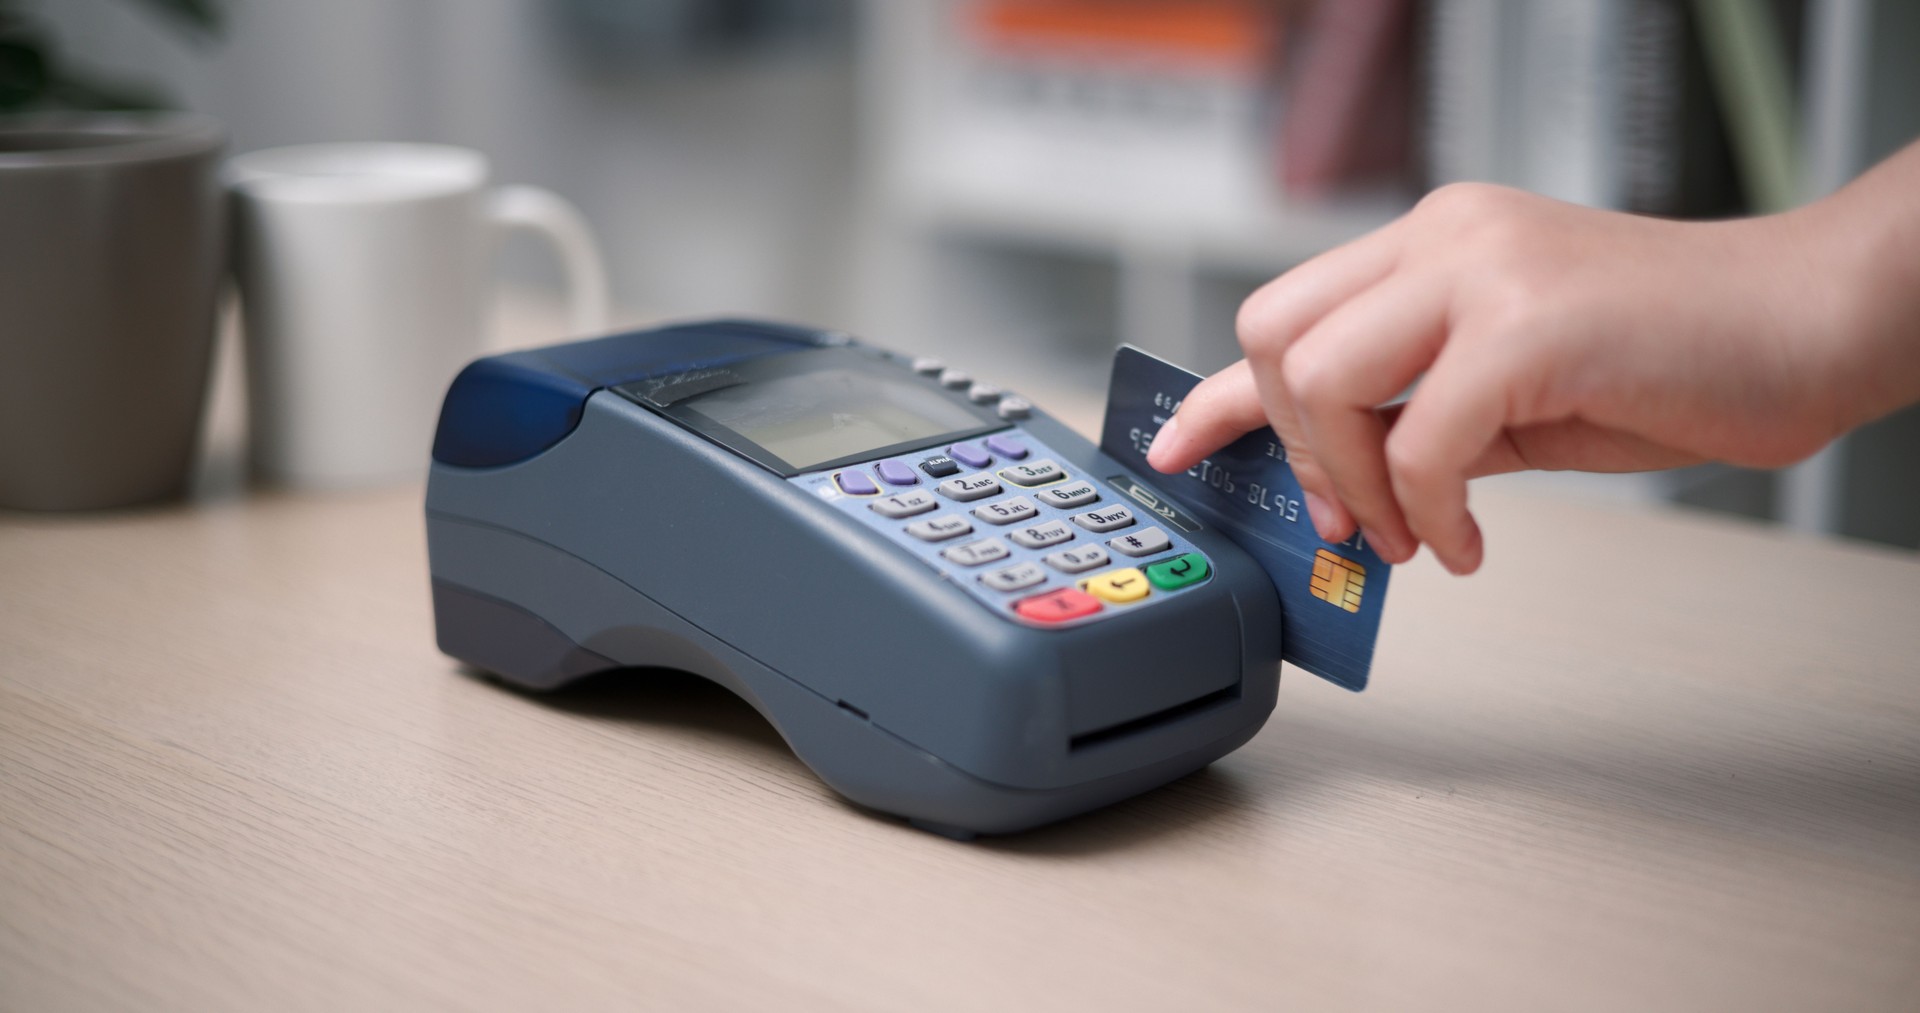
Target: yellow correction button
1118	586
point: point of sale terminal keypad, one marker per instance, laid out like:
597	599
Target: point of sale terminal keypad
1020	530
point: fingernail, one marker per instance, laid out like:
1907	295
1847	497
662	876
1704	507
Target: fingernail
1472	553
1321	515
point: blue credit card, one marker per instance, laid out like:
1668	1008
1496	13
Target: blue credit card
1331	593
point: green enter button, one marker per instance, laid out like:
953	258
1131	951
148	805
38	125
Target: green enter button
1179	572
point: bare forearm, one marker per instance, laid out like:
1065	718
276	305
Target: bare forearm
1869	232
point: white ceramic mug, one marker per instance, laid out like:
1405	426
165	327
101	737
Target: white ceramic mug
365	273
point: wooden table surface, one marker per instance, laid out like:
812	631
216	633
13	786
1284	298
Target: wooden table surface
1644	760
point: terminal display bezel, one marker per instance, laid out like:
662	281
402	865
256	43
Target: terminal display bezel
675	396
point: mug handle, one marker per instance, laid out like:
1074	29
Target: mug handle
552	217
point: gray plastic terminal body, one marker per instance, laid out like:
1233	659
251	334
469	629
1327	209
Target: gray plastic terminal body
634	542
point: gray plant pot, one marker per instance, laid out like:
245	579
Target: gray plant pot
112	249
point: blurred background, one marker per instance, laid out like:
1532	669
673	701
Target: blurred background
1019	185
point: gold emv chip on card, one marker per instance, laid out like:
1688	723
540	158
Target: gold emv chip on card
1337	580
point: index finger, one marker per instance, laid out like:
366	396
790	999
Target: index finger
1226	405
1217	411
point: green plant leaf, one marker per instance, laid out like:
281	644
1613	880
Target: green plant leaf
32	75
23	75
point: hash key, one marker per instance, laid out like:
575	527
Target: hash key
1144	542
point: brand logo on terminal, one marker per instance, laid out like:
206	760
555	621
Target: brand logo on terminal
663	391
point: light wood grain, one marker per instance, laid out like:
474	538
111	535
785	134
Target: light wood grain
1642	761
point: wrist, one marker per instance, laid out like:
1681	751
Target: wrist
1866	239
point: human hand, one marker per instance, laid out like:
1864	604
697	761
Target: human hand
1550	336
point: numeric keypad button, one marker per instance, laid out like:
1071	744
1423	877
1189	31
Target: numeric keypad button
968	488
939	529
980	553
1072	494
1110	519
905	504
1017	577
1078	560
1034	473
1007	511
1039	536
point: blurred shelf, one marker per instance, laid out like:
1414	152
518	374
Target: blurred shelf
980	175
1258	237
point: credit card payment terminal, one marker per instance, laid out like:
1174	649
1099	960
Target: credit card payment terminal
952	607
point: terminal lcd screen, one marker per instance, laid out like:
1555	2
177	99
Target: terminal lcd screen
809	419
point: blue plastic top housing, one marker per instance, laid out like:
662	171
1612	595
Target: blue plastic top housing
504	409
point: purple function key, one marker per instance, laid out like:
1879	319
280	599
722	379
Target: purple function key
855	483
1007	447
970	454
896	473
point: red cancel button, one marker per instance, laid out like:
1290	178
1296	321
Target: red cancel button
1058	606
